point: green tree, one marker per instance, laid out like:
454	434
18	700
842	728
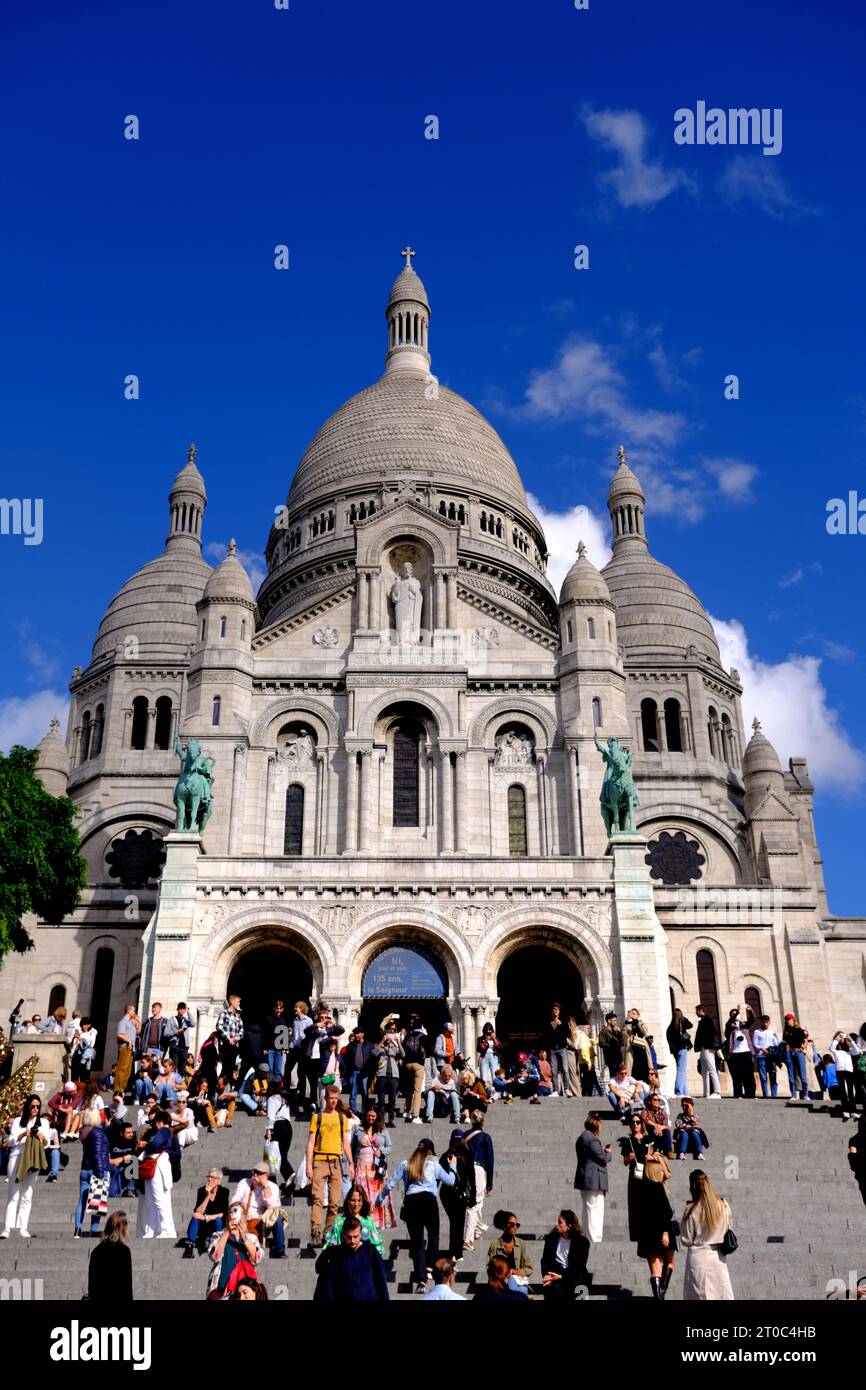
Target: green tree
41	869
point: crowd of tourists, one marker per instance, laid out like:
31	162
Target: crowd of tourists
131	1128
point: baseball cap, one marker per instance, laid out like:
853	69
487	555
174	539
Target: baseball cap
261	1168
789	1015
69	1086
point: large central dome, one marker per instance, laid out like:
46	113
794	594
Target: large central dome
392	431
407	425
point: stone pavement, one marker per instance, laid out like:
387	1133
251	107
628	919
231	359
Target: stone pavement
797	1210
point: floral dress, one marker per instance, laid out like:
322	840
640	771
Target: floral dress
369	1148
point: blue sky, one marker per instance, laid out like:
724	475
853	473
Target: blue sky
260	127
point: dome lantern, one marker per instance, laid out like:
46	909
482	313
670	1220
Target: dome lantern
186	503
626	504
408	316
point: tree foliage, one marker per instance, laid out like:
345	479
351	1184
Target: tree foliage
41	869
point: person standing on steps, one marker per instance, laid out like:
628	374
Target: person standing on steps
480	1145
359	1062
555	1042
279	1112
706	1221
489	1049
296	1060
154	1033
275	1038
230	1033
794	1039
328	1154
26	1130
738	1044
457	1200
651	1217
351	1272
591	1178
767	1045
706	1042
415	1051
127	1044
388	1053
155	1219
612	1044
94	1164
371	1145
680	1043
420	1174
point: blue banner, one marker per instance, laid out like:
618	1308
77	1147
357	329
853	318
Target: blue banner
404	972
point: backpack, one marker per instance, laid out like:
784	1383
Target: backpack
413	1047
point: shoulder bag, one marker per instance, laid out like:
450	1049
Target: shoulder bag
729	1240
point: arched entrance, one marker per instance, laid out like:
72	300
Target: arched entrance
265	973
404	979
528	982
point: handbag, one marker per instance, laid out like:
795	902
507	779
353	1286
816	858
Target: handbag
147	1167
97	1196
729	1240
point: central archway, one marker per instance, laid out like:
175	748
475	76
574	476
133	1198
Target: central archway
529	980
404	978
268	972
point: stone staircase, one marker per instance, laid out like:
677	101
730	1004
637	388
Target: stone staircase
783	1167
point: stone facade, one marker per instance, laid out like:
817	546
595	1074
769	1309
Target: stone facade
312	692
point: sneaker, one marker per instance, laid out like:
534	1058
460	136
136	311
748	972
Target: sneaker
699	1158
416	1120
52	1177
25	1235
76	1234
421	1288
4	1234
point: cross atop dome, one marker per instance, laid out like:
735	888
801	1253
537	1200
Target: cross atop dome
408	253
408	315
621	454
191	454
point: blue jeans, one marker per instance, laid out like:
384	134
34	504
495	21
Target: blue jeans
797	1069
53	1163
249	1103
615	1102
142	1088
559	1063
487	1069
358	1082
689	1138
276	1063
80	1210
278	1235
210	1228
453	1099
763	1068
680	1086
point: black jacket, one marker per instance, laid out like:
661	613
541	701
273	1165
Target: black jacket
348	1059
576	1272
269	1030
706	1034
592	1160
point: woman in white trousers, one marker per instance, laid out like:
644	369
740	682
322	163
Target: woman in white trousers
20	1197
591	1179
155	1219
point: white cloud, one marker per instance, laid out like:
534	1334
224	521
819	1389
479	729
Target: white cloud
563	531
749	180
791	702
26	719
585	383
252	560
635	180
734	477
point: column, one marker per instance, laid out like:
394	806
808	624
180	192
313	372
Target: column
365	788
450	599
460	807
440	620
542	807
575	803
270	777
320	819
446	806
468	1041
351	800
127	735
429	791
151	727
236	811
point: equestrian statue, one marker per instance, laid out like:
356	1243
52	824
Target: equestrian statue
618	794
193	792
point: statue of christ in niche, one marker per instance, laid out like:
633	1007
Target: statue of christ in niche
406	597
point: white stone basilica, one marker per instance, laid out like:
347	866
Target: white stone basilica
403	725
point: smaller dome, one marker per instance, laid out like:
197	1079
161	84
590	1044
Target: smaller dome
760	759
408	285
52	767
624	482
229	580
583	583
